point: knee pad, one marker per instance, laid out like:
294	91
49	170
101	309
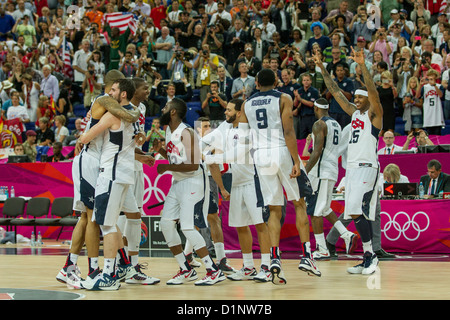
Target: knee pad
133	234
169	230
108	229
195	238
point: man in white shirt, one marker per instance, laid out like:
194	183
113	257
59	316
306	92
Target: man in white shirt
267	28
221	13
80	61
390	147
49	83
142	8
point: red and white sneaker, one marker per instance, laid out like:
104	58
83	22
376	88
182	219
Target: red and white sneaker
212	277
243	274
264	275
183	276
309	266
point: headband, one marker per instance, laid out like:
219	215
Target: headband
361	93
321	106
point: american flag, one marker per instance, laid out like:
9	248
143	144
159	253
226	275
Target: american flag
68	71
121	20
443	6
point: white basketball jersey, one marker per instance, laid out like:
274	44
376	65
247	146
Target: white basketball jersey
118	153
363	143
94	147
433	114
264	118
176	152
327	166
140	127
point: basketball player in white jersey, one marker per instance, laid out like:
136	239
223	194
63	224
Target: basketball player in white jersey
115	177
85	169
246	203
362	159
188	197
322	170
268	114
215	184
130	222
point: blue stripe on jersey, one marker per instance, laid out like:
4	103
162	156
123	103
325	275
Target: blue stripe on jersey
375	132
199	219
93	122
101	204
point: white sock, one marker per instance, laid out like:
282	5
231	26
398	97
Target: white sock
73	258
109	266
181	259
220	250
134	260
248	260
265	259
209	264
320	240
340	227
367	246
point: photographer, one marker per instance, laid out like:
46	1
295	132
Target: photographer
180	64
214	38
215	104
421	138
91	88
424	65
128	67
382	44
206	66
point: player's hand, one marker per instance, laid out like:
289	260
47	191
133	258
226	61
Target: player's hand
225	194
140	139
295	170
357	56
147	159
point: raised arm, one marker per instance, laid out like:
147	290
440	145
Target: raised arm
334	89
376	109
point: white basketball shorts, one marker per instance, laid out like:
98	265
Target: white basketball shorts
274	177
318	204
246	206
188	202
361	192
85	171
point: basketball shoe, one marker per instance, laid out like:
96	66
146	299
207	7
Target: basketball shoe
368	266
351	241
225	267
321	253
91	279
277	273
243	274
212	277
125	271
194	263
140	277
106	283
264	275
183	276
66	271
309	266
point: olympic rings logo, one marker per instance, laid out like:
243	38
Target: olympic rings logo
159	193
402	229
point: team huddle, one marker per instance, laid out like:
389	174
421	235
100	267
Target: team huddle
258	144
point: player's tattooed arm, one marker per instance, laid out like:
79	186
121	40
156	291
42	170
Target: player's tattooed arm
112	106
319	130
334	89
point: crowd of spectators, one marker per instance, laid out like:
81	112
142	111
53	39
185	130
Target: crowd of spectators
214	50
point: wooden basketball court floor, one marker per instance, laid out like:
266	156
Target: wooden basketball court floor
407	277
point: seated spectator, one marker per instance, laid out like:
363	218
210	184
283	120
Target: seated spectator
57	155
76	133
44	110
44	135
392	174
29	146
390	147
435	181
421	138
16	110
18	149
61	131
